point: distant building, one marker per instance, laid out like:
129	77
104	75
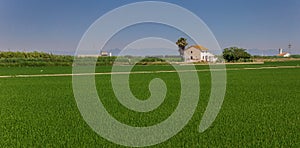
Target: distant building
198	53
88	55
102	53
105	53
283	54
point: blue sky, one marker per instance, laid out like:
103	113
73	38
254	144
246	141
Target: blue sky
57	26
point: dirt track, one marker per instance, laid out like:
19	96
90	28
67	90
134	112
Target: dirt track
140	72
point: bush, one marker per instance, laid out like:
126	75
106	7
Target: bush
235	54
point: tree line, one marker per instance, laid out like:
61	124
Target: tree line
43	59
232	54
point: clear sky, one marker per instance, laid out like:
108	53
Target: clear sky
58	25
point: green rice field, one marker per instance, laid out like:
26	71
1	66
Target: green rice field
261	107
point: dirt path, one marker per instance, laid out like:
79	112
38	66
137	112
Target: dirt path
141	72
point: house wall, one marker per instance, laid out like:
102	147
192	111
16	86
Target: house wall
192	54
206	56
287	55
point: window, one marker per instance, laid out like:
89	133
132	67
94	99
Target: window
191	51
191	57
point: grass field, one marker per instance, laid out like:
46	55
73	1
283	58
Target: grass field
261	108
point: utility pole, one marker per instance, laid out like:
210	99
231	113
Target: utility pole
290	46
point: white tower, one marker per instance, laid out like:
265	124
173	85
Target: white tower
280	50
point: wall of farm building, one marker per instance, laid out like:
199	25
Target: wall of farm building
192	54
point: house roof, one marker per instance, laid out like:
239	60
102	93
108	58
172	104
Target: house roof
282	54
198	47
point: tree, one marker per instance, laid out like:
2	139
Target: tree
234	54
181	43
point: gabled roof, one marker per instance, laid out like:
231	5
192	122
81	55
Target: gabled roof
282	54
198	47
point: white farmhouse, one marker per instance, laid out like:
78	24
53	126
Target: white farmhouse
198	53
